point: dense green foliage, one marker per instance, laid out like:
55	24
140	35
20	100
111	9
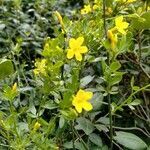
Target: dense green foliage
74	74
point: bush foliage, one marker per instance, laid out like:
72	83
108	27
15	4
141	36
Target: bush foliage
75	74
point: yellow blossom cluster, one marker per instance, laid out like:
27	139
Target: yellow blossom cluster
125	1
40	67
120	26
88	8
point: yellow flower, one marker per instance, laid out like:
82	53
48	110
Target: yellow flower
130	1
76	48
109	10
59	17
87	9
40	67
14	87
120	25
113	39
97	4
95	7
80	101
125	1
36	126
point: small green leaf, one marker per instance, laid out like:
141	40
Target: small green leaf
61	122
115	78
101	127
97	101
94	138
135	88
135	102
115	66
69	114
49	105
6	68
142	22
130	140
86	80
85	125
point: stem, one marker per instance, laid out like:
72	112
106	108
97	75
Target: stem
104	17
110	121
146	5
141	89
77	134
114	142
132	128
73	137
140	45
6	145
108	97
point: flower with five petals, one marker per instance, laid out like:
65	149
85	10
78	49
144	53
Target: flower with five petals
81	101
76	49
121	25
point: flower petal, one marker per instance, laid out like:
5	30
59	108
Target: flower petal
125	25
72	43
87	106
78	108
88	95
118	20
121	31
80	40
78	56
70	53
83	49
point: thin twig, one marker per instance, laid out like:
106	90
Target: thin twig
132	128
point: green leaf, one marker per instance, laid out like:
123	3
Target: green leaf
101	127
142	22
86	80
49	105
69	114
2	26
85	125
97	101
61	122
148	148
94	138
132	81
115	66
103	120
135	88
6	68
115	78
135	102
130	141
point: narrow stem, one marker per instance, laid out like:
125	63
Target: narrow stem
109	98
73	137
110	122
77	134
141	89
146	5
104	17
6	145
132	128
146	104
140	45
